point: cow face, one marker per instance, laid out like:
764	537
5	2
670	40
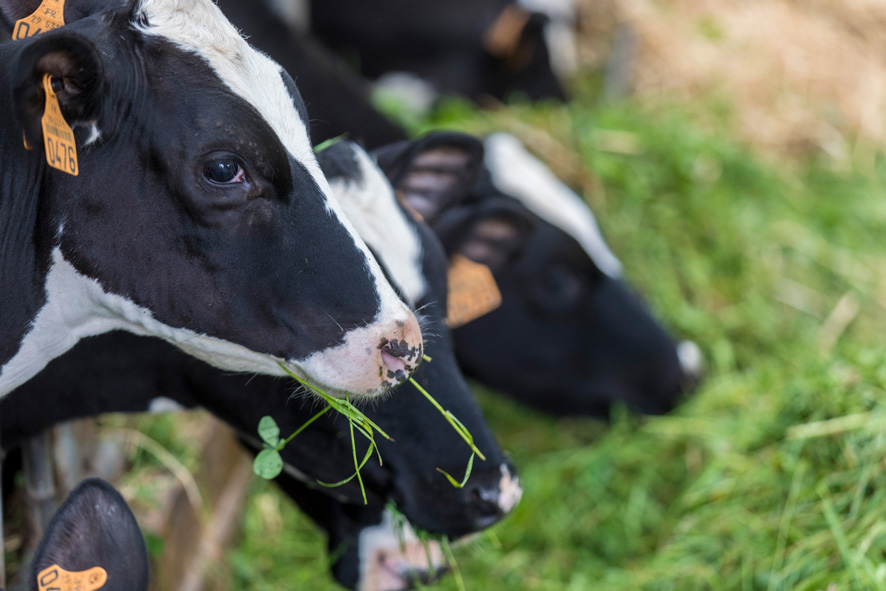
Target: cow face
416	264
199	213
567	323
93	531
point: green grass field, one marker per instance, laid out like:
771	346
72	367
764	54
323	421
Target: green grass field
773	476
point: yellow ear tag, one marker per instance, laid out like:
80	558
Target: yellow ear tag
55	578
48	16
472	292
25	141
61	152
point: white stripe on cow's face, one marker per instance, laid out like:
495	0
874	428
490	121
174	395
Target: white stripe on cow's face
78	307
519	174
370	204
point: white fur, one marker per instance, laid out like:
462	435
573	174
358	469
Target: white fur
164	404
371	206
510	491
78	307
409	92
691	358
518	173
387	553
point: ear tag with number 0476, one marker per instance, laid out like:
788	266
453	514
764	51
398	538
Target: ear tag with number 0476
61	152
48	16
55	578
472	292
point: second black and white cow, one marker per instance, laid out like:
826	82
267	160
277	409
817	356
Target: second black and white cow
198	213
124	373
569	337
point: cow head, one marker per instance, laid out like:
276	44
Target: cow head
199	213
569	336
122	372
93	528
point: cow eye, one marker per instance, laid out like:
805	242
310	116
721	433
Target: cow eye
224	171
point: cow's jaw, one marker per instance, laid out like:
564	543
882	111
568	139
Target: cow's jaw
78	307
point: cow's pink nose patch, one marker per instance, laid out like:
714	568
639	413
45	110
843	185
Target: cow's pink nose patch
394	364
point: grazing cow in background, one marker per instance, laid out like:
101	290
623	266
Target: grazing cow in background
468	47
119	372
199	213
569	336
95	539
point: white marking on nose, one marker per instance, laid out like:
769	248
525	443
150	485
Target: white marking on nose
691	359
510	491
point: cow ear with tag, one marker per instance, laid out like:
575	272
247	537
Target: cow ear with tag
434	173
92	543
76	74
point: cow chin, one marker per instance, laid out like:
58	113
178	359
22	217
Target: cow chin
371	360
393	558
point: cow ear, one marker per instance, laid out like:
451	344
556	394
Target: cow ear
435	173
494	235
94	529
75	68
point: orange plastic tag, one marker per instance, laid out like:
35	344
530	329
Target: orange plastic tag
25	141
61	152
502	38
48	16
472	291
55	578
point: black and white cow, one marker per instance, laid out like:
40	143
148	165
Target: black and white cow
199	214
125	373
607	348
92	542
468	47
569	337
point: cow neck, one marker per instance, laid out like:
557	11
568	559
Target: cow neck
24	225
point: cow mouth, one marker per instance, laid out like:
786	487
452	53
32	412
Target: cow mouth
408	566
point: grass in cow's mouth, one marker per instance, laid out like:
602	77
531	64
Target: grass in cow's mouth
268	463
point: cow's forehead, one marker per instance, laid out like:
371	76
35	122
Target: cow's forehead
518	174
199	27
